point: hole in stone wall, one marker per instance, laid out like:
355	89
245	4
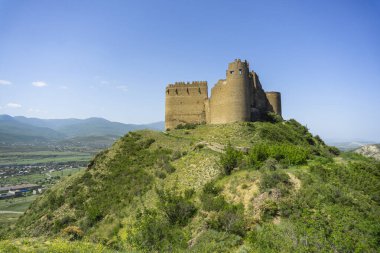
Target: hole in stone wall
231	72
240	71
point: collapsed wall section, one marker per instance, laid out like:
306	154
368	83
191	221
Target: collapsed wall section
185	103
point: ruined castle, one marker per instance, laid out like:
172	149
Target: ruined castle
239	97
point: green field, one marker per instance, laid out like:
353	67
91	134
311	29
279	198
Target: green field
42	157
11	209
47	178
16	205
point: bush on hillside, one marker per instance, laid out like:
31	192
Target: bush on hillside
274	180
186	126
153	233
230	219
225	216
214	241
73	232
272	117
334	150
176	207
230	159
286	153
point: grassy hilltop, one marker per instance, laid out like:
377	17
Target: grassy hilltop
241	187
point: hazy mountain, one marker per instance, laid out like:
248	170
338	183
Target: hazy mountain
13	131
49	123
33	130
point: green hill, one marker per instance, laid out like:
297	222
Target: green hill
242	187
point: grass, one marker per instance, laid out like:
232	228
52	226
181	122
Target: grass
266	204
13	205
17	204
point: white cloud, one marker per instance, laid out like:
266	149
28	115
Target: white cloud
13	105
5	82
123	88
39	84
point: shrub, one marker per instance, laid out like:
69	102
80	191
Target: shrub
288	154
160	174
271	164
211	188
177	207
269	209
334	150
230	159
212	241
272	117
275	179
153	233
212	203
176	155
230	219
73	232
186	126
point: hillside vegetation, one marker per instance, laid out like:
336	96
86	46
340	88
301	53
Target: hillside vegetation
241	187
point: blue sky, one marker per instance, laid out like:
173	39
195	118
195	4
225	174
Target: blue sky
113	59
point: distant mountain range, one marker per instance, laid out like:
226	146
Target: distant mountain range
22	130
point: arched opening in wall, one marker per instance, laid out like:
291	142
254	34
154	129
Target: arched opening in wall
239	71
187	90
176	91
167	91
231	72
199	90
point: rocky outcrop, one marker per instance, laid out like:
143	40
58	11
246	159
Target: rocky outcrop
372	150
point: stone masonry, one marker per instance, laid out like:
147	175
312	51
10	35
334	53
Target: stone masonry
239	97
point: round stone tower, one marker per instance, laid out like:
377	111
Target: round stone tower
230	101
274	99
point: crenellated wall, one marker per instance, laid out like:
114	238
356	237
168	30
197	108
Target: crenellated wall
239	97
185	103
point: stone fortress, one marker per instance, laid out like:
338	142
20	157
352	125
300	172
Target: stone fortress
239	97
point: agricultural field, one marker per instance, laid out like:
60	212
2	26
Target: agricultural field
40	165
11	209
42	157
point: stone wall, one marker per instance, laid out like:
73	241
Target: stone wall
230	98
239	97
185	103
274	99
